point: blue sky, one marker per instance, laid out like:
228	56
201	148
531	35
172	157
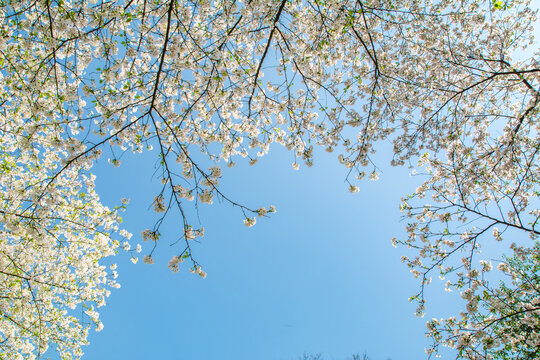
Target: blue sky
319	276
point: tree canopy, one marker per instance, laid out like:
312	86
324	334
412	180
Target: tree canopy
209	83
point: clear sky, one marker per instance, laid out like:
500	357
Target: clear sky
319	276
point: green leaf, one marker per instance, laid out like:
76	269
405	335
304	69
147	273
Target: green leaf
497	4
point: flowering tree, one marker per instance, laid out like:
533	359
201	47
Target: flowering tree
506	326
52	235
211	81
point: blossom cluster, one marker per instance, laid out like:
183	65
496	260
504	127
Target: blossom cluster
54	232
